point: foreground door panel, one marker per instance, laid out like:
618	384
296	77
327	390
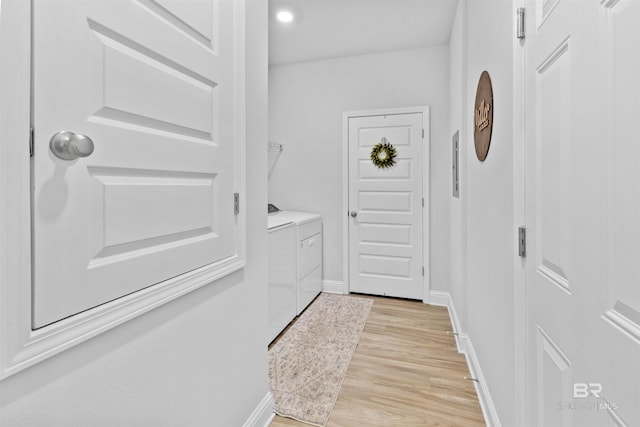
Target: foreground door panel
583	298
153	85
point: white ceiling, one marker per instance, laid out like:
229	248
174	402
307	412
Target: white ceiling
331	28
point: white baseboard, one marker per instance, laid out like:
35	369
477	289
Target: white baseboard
443	299
486	403
465	346
263	414
333	287
439	298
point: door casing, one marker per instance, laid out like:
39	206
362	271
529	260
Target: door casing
424	110
519	219
20	345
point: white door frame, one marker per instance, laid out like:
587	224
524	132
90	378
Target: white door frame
424	110
519	219
20	346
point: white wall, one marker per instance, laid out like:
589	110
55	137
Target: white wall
199	360
458	122
306	102
482	227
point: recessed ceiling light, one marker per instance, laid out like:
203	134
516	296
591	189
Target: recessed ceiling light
284	16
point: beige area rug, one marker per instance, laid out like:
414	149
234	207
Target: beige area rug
308	364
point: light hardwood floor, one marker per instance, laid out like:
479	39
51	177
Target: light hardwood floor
405	372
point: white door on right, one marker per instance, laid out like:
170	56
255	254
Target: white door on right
385	204
582	210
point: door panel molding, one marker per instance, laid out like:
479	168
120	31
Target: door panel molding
620	21
199	31
626	319
553	382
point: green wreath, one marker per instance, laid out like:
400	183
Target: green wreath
383	154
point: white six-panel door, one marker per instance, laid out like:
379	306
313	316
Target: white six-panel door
583	202
154	84
385	235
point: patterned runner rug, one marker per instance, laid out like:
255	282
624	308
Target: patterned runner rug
308	364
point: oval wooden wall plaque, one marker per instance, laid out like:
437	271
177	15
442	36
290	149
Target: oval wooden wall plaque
483	116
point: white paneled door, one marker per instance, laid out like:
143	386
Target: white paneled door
153	84
582	207
386	206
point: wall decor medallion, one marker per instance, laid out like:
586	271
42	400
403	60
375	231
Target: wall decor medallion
383	154
483	116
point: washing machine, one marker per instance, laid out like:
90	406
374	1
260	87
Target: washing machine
308	227
282	275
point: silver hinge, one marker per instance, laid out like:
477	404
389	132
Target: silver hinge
423	202
422	133
522	241
520	23
423	271
236	203
455	156
31	142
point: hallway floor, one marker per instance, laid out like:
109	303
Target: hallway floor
406	371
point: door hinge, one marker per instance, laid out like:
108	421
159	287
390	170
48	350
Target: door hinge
520	23
455	159
522	241
422	133
423	202
423	271
30	142
236	203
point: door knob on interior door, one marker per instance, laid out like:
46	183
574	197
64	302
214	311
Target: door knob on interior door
354	214
70	146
